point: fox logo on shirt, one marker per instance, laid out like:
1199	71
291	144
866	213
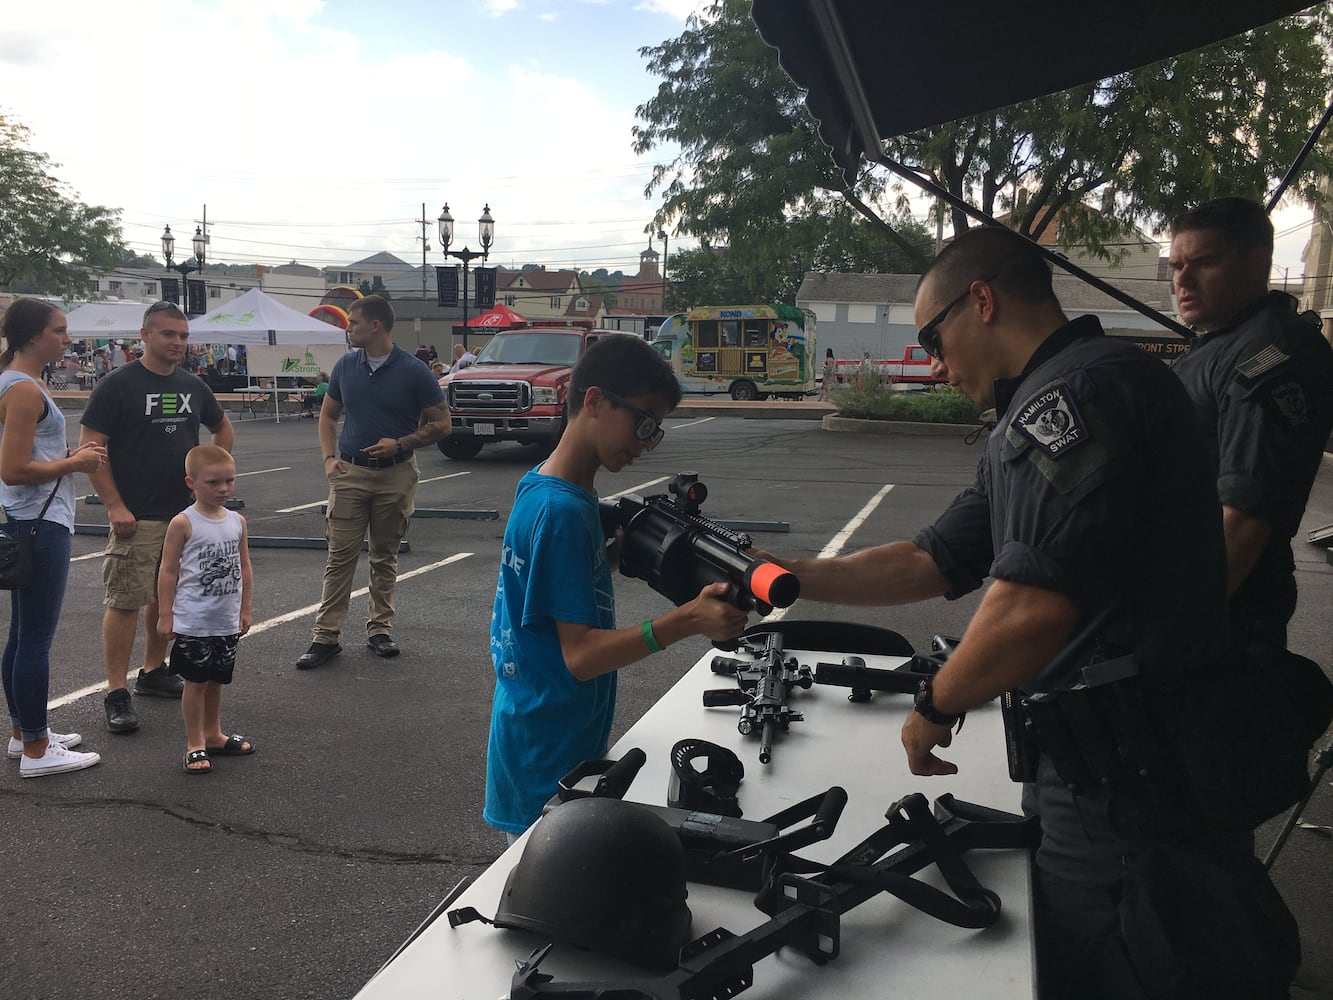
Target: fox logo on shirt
169	404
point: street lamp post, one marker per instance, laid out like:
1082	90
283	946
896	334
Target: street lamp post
485	233
185	267
662	235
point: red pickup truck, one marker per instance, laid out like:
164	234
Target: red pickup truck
912	367
515	391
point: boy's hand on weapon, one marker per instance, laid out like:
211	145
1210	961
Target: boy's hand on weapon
920	737
713	616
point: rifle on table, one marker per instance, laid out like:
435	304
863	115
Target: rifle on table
853	673
764	684
677	551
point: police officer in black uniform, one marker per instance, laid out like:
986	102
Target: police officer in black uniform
1261	379
1095	513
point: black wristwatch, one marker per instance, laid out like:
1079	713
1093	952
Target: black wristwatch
399	443
925	706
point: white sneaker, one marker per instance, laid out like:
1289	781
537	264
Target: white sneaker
56	760
67	740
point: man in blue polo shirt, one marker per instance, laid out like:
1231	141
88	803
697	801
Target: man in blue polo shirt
392	406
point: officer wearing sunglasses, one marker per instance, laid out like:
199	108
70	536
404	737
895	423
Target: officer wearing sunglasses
1093	498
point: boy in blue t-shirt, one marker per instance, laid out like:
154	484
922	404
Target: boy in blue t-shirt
554	640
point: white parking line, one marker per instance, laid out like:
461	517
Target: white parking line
264	626
76	695
836	544
640	487
839	540
318	503
692	423
303	506
260	472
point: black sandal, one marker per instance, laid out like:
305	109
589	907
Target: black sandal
194	757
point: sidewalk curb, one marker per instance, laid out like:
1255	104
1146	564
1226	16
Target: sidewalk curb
854	425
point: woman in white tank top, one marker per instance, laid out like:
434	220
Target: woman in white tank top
34	462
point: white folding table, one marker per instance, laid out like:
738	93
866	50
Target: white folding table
887	947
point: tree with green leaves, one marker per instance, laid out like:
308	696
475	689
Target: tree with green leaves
144	260
373	287
752	176
603	283
1104	158
49	239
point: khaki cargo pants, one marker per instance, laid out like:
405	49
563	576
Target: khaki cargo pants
374	503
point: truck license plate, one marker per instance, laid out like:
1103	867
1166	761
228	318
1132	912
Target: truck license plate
483	430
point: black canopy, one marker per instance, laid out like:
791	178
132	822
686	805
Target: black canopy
874	69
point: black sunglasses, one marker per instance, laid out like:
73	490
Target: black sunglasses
929	335
158	307
647	429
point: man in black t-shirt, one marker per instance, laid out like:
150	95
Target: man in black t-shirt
147	414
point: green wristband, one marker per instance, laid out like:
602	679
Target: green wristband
649	639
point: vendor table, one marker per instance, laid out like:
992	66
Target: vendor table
887	947
255	397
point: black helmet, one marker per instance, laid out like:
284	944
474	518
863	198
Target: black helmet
602	874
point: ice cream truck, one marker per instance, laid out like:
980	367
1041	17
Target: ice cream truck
750	352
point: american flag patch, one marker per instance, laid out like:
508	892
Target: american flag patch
1266	360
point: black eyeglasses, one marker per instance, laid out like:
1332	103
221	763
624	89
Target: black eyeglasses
929	335
647	429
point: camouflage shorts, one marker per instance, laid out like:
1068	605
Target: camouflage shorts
204	658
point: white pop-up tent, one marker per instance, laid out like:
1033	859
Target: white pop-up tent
106	320
283	346
256	318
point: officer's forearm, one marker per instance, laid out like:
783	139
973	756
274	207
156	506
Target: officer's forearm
1246	536
896	573
1017	630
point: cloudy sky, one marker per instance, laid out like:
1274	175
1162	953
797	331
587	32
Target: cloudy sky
315	131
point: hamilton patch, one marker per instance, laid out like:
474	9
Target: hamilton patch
1052	422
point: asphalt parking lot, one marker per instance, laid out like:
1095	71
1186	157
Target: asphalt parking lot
296	872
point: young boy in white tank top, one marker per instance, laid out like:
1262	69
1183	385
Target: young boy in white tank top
203	592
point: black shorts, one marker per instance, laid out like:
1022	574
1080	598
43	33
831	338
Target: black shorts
204	658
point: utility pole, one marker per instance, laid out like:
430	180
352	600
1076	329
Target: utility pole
425	245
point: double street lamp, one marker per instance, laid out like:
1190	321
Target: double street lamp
185	267
485	233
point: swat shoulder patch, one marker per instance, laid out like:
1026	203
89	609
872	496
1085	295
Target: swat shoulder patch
1051	420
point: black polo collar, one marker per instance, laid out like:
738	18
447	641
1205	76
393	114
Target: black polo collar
1076	329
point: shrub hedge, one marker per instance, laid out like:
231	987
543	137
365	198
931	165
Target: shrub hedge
944	404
